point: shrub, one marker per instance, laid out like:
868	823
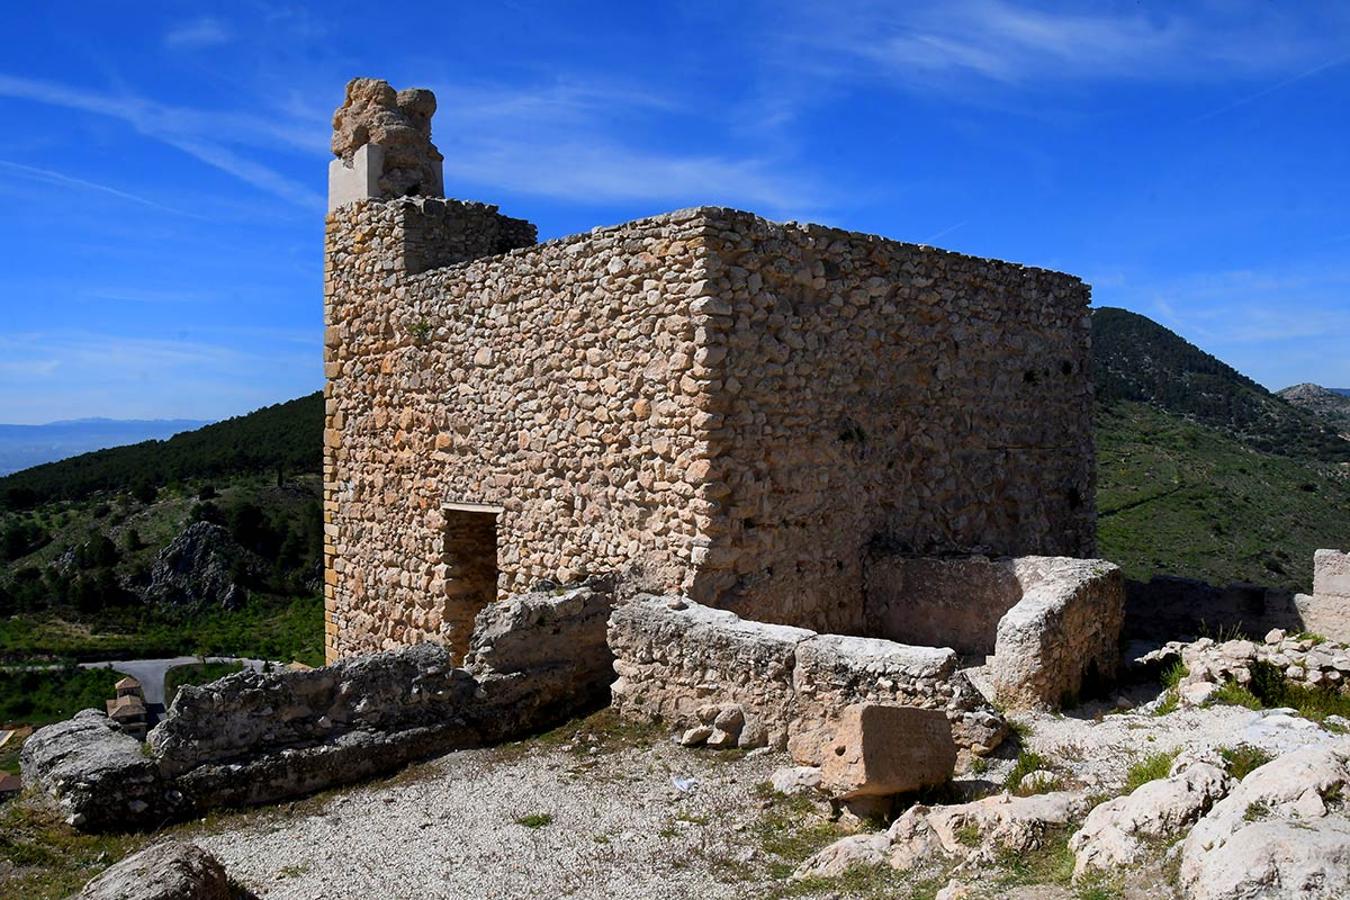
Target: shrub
1150	768
1241	760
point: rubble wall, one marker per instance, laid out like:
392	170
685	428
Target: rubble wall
876	393
558	384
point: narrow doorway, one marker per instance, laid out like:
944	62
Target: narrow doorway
470	555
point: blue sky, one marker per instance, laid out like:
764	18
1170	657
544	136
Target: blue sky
162	175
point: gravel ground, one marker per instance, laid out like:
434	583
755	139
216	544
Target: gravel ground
449	829
619	827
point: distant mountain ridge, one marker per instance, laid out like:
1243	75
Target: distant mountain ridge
24	446
1136	359
1331	405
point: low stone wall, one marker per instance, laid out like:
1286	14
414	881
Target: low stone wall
1320	664
1170	608
262	737
1049	624
678	661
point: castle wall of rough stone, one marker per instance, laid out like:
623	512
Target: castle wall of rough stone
735	409
875	394
555	382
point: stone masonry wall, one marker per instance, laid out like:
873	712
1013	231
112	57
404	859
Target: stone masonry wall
737	410
870	392
676	658
558	383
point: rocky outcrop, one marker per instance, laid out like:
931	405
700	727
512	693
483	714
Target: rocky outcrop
202	566
675	658
1282	832
1302	660
167	871
972	833
1116	833
100	777
399	122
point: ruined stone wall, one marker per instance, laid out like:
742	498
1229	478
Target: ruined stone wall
559	384
874	393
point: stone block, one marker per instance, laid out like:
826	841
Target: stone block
1331	574
877	751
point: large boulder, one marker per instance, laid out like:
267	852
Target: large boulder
880	750
202	566
168	871
100	777
1282	832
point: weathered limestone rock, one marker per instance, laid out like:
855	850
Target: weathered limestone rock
1050	624
1114	833
977	831
1327	611
1315	664
879	750
98	775
399	123
795	781
262	737
1282	832
202	565
167	871
1062	635
557	638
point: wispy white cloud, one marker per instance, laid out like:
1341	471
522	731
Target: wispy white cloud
197	34
199	133
1278	325
58	178
580	142
995	41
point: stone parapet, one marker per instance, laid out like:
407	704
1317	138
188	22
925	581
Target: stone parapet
676	658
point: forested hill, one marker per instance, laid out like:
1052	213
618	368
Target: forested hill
285	437
1136	359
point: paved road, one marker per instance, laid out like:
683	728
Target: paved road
150	672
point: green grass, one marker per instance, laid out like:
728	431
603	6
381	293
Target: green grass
41	858
1028	762
40	696
1150	768
1242	760
1182	499
196	673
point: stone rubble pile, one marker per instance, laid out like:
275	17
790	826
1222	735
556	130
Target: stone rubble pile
1303	660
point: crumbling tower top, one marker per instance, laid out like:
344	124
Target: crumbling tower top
382	141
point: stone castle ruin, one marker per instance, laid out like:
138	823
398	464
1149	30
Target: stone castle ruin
775	485
800	425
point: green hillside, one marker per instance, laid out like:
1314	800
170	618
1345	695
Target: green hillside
285	437
1136	359
1174	497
